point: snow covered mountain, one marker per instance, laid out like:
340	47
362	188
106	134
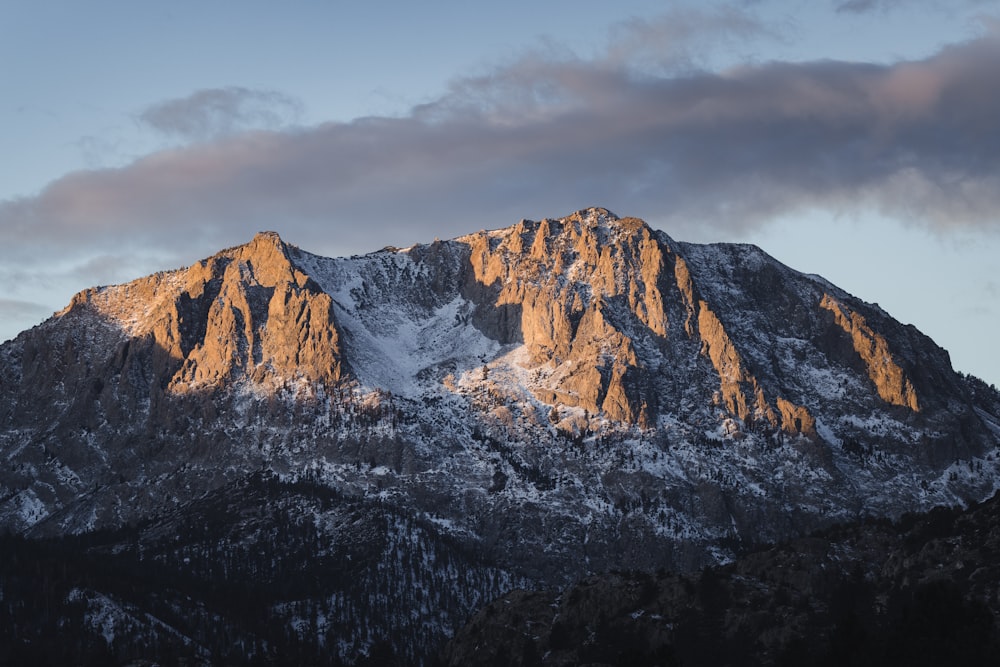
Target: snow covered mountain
551	399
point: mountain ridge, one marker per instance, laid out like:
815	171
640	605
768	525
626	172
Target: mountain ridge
559	397
589	320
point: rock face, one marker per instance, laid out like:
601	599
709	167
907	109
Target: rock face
243	313
557	398
582	284
889	379
592	289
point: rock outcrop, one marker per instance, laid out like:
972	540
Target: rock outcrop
573	280
244	314
586	293
889	379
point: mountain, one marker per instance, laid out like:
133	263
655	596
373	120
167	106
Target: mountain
517	407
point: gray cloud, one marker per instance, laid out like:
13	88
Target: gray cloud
214	112
861	6
551	133
17	310
865	6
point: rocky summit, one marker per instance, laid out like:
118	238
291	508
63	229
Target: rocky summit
444	423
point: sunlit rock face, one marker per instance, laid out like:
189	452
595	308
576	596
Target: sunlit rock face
890	381
588	290
565	395
617	319
245	313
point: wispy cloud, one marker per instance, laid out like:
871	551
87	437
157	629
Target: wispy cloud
683	39
861	6
214	112
866	6
551	132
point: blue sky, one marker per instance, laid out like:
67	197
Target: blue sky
856	139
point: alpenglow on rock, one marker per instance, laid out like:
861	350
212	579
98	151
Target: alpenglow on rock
560	397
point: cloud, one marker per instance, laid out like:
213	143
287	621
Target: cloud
861	6
14	309
550	133
865	6
215	112
682	39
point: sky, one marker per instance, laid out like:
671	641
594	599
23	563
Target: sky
854	139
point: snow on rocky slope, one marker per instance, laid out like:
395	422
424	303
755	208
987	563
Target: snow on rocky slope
565	396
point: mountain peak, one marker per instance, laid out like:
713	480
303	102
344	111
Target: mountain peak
259	316
246	314
595	215
269	236
609	227
267	242
265	259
